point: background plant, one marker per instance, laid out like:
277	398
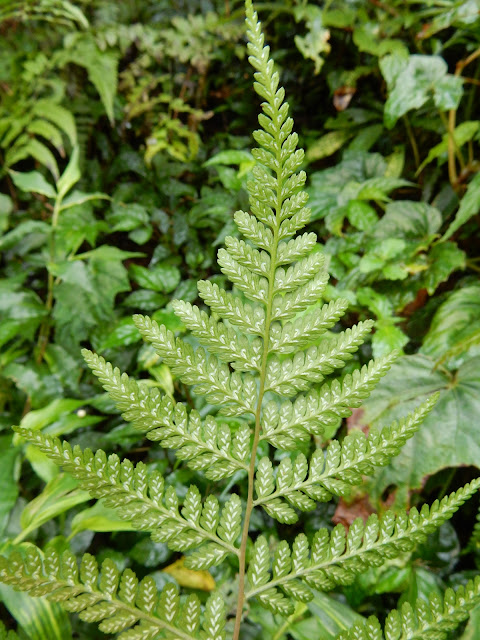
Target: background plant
423	292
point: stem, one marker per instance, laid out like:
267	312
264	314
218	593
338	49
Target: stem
412	140
256	436
263	371
43	334
453	149
452	115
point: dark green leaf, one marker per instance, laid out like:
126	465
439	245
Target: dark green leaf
449	436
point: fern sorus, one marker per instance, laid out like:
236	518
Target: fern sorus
264	356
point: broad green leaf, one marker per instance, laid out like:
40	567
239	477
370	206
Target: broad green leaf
469	206
60	117
145	300
360	175
71	175
9	471
365	37
31	147
366	137
414	80
128	216
163	278
35	381
53	412
449	437
471	631
6	207
26	236
99	518
39	618
459	13
386	338
33	182
124	334
361	215
443	258
43	466
48	131
409	221
328	144
328	618
89	284
21	312
59	495
456	325
422	584
80	197
462	134
231	156
101	68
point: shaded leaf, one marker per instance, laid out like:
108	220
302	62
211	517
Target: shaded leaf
448	437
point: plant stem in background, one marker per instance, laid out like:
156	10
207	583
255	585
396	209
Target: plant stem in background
413	142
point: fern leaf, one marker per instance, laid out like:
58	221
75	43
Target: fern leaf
213	627
285	307
211	377
220	339
137	496
433	620
247	256
117	601
299	274
305	329
283	425
333	472
253	286
298	372
249	318
143	406
295	249
337	558
206	445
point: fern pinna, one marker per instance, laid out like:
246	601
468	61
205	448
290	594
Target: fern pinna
263	357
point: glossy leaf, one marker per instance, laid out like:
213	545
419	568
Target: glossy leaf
447	438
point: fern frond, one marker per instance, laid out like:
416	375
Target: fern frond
283	425
208	374
334	471
220	339
117	601
285	307
253	286
205	445
295	249
337	558
145	407
142	499
474	542
249	318
298	372
247	256
433	620
291	336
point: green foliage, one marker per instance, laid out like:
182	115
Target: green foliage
433	620
255	401
118	601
